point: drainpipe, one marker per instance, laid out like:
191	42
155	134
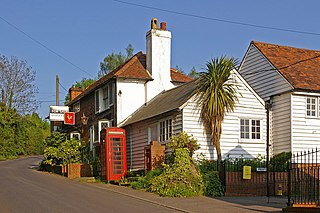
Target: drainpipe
268	107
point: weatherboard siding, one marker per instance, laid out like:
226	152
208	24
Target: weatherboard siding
261	76
281	123
137	139
305	131
231	145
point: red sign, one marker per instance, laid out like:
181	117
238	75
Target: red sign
69	118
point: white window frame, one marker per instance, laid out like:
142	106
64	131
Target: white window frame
98	127
165	130
104	98
76	107
73	135
310	106
252	133
97	101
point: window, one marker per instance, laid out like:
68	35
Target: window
250	129
104	98
75	135
105	93
97	127
97	100
311	107
76	107
165	130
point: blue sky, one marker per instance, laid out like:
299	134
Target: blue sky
83	32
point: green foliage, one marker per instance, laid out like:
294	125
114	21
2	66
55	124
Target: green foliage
236	165
183	140
193	73
216	94
62	151
210	177
179	179
21	134
84	83
113	60
280	161
212	184
144	182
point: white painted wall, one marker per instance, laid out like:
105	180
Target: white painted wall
280	115
130	96
231	145
305	130
158	61
261	76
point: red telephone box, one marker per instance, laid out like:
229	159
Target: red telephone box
113	153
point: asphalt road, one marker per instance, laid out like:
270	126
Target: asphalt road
23	189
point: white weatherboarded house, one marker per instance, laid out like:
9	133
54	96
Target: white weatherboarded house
289	79
175	110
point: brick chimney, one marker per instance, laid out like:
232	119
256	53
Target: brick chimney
75	92
158	58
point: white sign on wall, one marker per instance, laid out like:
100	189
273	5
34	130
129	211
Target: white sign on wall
57	113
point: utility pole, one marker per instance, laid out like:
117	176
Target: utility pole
2	96
57	90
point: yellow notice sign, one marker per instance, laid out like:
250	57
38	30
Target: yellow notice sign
247	172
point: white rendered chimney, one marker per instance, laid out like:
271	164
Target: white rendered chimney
158	59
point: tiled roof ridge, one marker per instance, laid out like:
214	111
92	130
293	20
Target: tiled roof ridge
104	78
281	46
128	63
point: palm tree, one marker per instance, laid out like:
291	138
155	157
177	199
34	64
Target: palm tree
216	94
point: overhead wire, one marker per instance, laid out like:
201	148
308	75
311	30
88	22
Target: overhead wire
45	47
283	67
218	19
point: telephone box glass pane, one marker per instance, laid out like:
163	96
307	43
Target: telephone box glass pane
117	155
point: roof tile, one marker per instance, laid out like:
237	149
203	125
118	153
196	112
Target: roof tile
300	67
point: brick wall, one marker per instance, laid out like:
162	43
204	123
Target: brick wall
257	185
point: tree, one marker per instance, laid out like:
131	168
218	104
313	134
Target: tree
17	82
83	83
111	61
216	95
193	73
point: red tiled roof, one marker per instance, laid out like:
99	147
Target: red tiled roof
134	68
177	76
300	67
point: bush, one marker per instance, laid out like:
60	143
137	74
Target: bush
61	151
212	184
21	134
179	179
280	161
210	177
145	181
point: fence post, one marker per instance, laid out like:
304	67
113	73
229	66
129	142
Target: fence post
289	165
222	174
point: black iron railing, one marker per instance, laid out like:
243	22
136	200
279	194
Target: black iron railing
304	178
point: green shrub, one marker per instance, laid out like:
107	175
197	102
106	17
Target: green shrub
212	184
179	179
144	182
62	151
280	161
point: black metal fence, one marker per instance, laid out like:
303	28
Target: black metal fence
303	178
263	179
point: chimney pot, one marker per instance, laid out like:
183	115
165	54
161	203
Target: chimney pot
163	26
154	23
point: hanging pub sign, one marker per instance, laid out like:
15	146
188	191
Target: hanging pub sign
69	118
